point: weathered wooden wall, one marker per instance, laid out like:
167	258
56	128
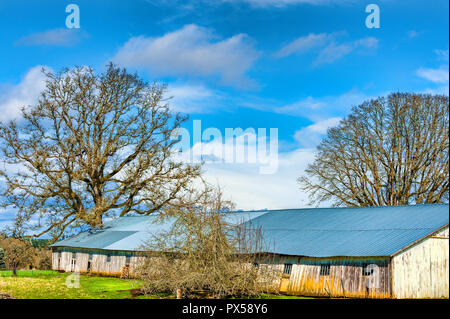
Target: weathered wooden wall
422	271
345	277
63	260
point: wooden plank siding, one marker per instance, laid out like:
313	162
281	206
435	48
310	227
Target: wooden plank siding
62	259
345	278
422	270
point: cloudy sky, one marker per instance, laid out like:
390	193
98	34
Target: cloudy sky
295	65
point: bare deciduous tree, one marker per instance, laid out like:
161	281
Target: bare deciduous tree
389	151
18	253
204	256
94	144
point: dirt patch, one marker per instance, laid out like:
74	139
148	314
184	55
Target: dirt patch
136	292
5	296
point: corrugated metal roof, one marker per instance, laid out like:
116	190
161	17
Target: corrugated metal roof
315	232
131	232
352	231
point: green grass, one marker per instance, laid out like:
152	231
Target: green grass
49	284
29	273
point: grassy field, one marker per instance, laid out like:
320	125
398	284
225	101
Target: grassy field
49	284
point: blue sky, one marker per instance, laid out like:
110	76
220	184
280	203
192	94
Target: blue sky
295	65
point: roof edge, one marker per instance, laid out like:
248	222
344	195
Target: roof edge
418	240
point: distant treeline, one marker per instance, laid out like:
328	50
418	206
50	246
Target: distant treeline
40	243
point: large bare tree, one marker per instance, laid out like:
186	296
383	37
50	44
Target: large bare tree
93	144
389	151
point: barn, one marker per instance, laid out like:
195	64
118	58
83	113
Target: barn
117	244
356	252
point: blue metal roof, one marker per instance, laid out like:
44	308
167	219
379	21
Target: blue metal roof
350	231
131	232
315	232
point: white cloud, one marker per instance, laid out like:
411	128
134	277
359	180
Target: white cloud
251	190
192	51
439	76
319	109
243	181
335	51
414	34
303	44
25	93
327	46
434	75
56	37
332	53
192	98
369	42
311	135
